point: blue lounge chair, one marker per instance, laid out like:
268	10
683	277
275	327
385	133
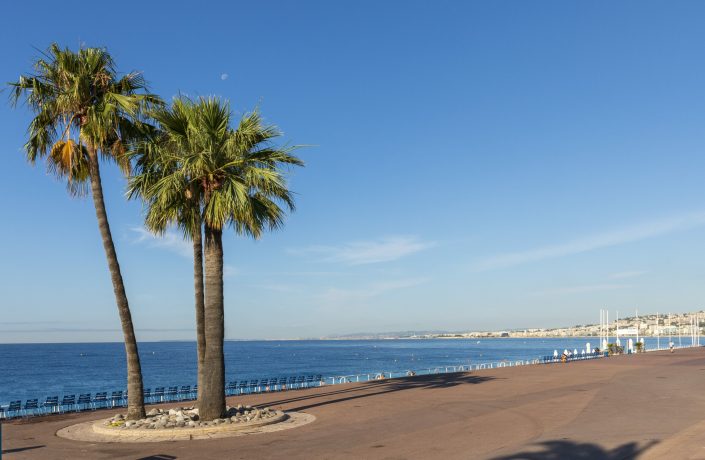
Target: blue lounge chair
84	402
68	403
242	387
172	394
185	392
100	400
31	407
147	394
51	405
231	388
116	399
13	410
159	394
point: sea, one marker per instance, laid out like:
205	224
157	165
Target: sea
41	370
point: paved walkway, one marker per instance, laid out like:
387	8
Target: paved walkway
644	406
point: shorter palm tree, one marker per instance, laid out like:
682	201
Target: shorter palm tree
158	157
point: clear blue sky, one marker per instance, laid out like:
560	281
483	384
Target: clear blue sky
476	165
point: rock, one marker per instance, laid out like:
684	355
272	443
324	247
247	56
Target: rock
152	412
172	411
129	423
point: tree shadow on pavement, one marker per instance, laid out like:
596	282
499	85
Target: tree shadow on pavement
20	449
158	457
380	387
568	450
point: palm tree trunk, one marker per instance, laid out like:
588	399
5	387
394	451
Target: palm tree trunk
212	401
200	303
135	398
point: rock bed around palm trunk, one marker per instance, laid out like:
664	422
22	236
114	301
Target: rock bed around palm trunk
187	417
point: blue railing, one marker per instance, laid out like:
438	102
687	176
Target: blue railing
106	400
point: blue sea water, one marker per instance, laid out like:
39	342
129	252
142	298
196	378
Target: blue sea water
40	370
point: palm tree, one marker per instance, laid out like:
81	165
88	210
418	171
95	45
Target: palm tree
158	157
83	111
234	175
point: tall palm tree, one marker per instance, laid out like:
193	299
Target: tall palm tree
235	175
84	111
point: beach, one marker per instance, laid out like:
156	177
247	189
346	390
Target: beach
634	406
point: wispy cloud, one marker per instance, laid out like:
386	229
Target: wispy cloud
229	270
170	241
592	242
367	252
582	289
625	275
337	295
280	287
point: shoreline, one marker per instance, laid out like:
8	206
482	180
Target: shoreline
369	339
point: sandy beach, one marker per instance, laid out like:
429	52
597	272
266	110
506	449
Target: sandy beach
639	406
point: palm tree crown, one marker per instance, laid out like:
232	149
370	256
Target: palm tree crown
197	167
80	103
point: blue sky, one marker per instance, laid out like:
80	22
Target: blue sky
475	165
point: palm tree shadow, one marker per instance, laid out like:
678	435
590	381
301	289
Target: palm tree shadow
569	450
380	387
20	449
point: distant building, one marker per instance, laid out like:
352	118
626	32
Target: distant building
628	331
